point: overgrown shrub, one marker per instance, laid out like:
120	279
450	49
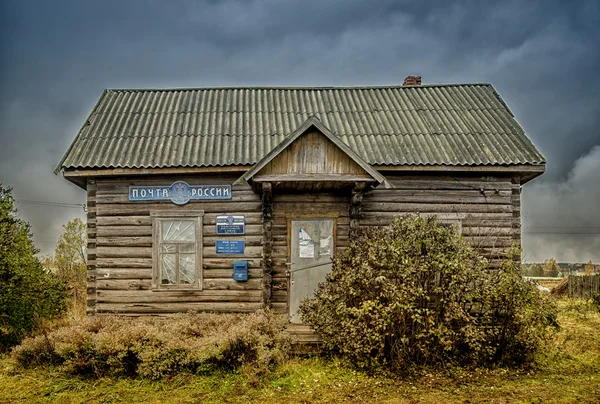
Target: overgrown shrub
596	300
522	316
416	293
28	294
153	348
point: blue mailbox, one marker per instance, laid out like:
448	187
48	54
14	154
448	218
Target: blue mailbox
240	271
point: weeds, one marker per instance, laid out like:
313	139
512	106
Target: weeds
153	348
567	372
595	300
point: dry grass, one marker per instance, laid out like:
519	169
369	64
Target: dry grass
561	288
154	348
568	373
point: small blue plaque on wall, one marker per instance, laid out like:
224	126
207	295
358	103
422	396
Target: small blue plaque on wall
230	246
230	224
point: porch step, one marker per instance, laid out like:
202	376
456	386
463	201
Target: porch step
304	339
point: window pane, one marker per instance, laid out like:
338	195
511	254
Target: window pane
187	248
179	230
169	248
187	268
167	270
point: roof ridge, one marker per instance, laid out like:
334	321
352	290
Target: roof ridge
187	135
392	86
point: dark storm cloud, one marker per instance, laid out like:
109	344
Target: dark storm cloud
56	58
571	206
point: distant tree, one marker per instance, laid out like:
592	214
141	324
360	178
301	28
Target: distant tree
27	292
589	268
535	270
551	268
69	262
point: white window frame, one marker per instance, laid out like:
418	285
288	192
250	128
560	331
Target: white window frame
161	216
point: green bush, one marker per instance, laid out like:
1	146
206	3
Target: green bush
416	293
154	348
28	294
596	300
523	317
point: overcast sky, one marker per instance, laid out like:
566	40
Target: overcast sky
543	57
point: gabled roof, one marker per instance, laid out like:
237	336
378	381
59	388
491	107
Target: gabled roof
453	125
311	122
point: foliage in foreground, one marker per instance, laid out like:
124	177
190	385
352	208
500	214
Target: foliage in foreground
569	374
28	294
596	300
416	293
154	348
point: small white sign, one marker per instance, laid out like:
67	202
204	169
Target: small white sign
325	247
231	224
306	244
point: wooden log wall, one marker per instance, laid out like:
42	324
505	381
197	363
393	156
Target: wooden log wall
516	204
91	250
120	251
120	235
488	207
306	205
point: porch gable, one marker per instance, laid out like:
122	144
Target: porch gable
312	154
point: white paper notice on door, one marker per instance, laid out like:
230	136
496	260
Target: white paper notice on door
325	246
306	244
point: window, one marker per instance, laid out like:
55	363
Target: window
177	250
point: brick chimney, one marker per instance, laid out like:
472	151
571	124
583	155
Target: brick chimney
412	81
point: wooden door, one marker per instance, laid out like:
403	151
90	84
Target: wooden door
312	245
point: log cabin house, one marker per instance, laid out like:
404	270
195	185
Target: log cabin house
233	199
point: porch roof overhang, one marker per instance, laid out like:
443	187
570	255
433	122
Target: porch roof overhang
370	176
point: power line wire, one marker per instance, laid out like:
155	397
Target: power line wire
55	204
576	230
562	227
556	232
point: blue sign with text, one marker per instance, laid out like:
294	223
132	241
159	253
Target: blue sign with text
179	192
230	246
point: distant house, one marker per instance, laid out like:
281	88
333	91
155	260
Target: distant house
232	199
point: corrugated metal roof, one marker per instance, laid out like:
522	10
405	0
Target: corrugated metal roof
426	125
